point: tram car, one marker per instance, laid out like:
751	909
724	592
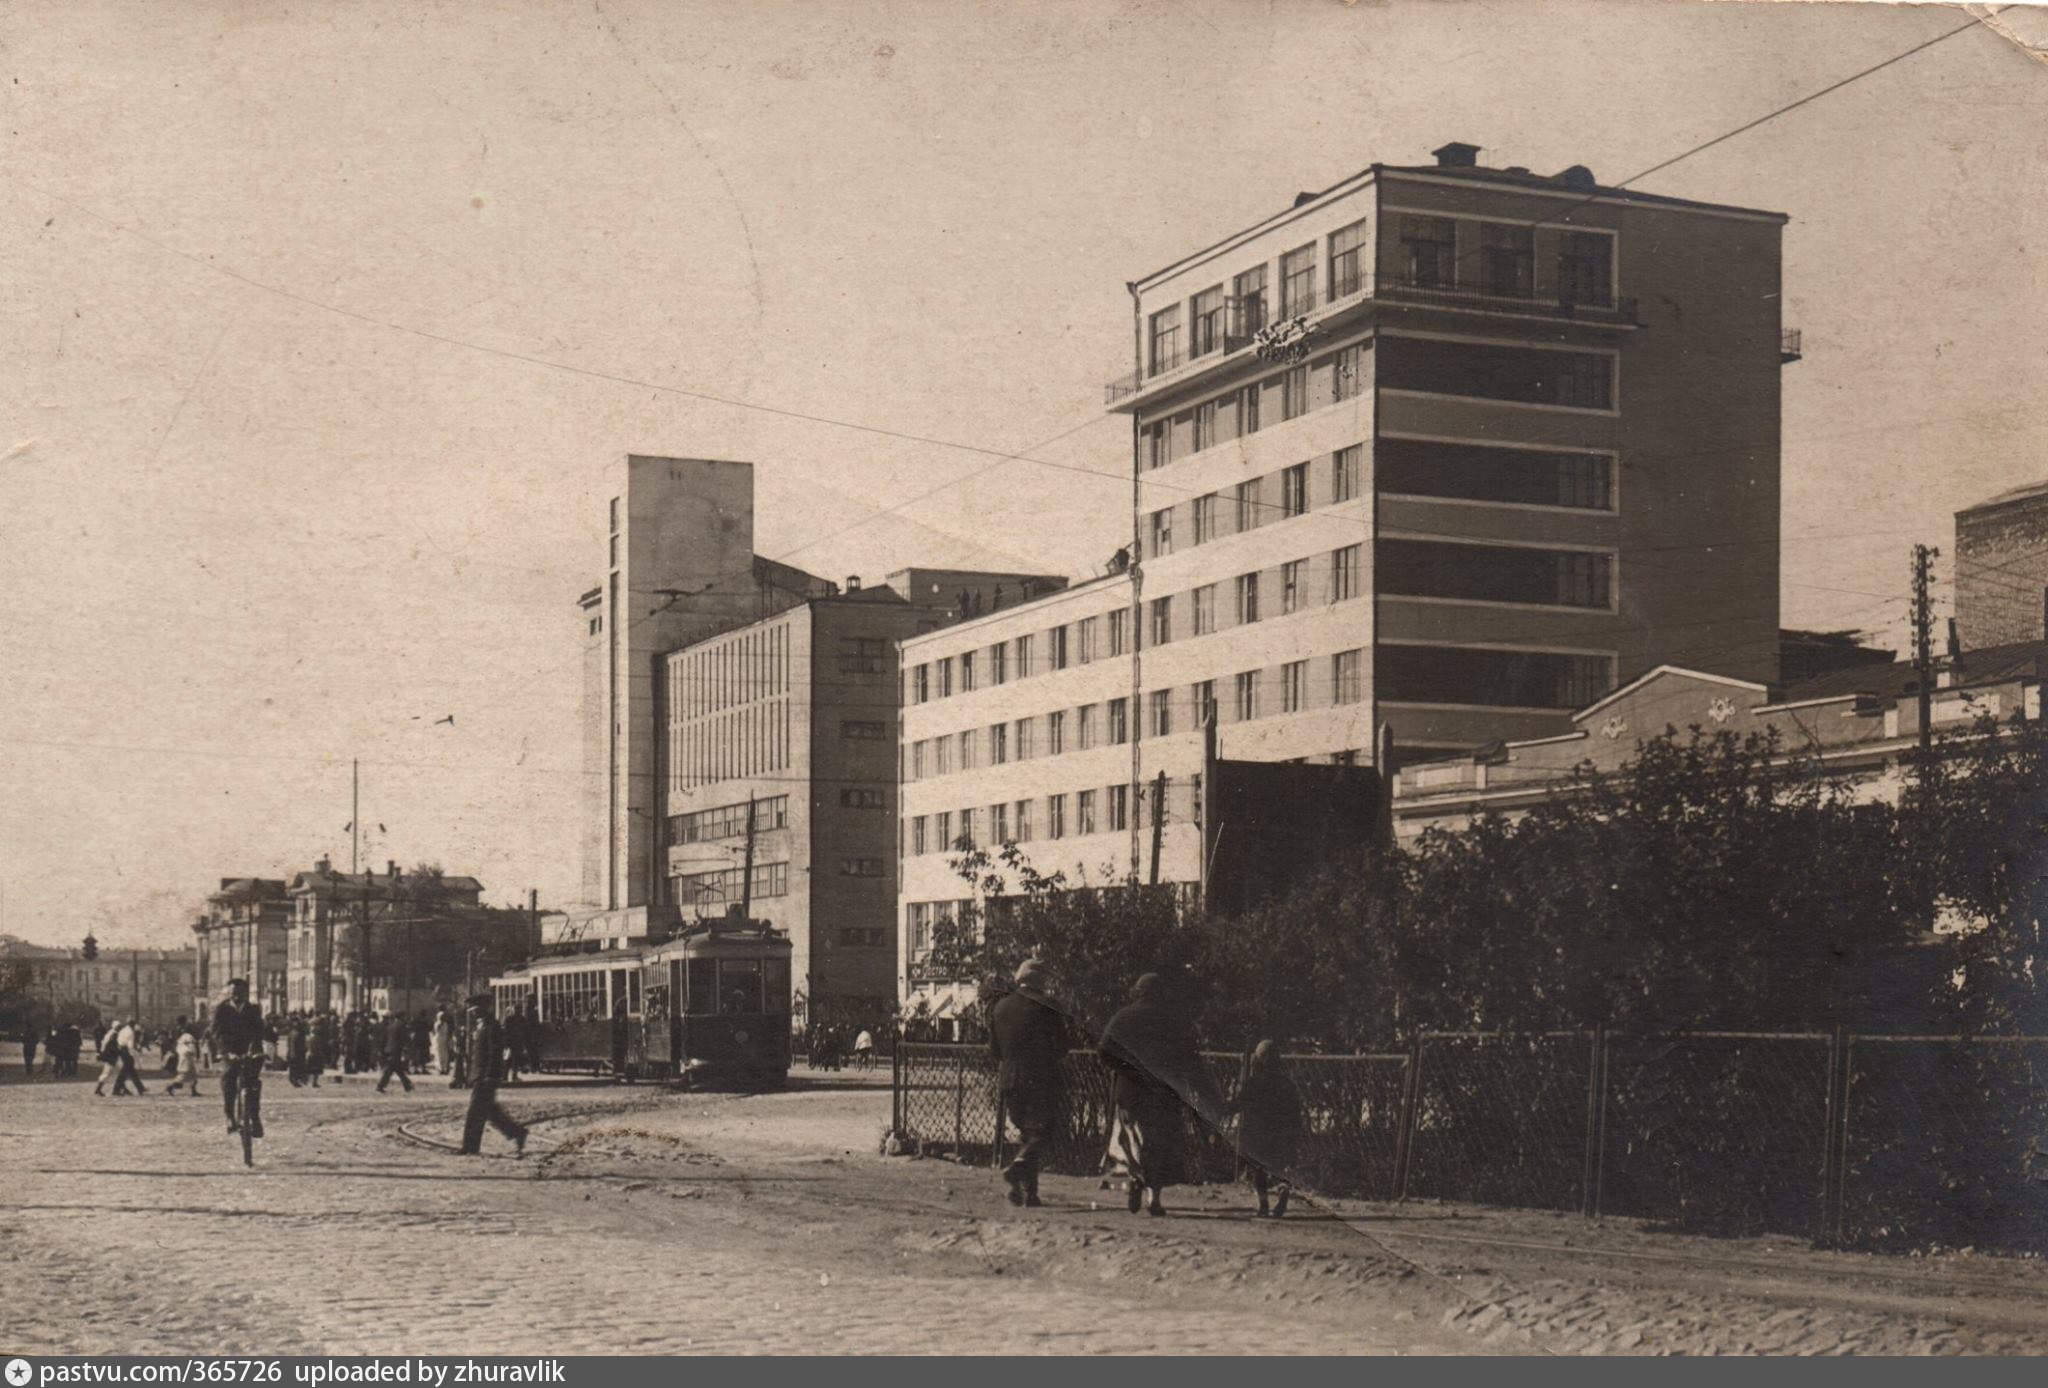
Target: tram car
710	1007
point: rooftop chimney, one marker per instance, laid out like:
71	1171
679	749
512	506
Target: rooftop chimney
323	866
1456	156
853	583
391	866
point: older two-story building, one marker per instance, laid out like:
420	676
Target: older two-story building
243	935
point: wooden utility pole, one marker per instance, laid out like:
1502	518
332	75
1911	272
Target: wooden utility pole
747	870
1158	822
1923	645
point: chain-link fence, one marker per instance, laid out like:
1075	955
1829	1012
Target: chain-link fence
1874	1141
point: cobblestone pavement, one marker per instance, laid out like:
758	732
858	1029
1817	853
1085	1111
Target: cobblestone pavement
645	1221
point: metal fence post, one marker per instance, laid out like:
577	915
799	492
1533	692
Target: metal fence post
1589	1175
996	1147
959	1104
1411	1101
1831	1115
896	1088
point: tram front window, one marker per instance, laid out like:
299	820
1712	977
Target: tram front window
778	985
703	987
740	986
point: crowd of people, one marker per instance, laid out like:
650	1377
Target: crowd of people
1160	1082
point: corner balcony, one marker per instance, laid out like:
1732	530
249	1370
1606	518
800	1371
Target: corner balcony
1791	346
1251	326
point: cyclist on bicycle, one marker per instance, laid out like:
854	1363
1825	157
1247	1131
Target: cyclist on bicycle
239	1033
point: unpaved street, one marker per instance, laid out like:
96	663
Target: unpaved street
651	1222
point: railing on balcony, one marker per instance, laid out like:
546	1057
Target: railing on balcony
1789	345
1247	317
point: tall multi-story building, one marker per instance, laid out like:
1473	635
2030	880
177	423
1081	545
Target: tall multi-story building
781	744
1448	450
681	566
242	935
2002	569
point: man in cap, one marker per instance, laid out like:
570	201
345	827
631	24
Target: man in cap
1028	1038
239	1033
487	1071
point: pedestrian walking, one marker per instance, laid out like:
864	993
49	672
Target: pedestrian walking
1269	1120
1151	1050
109	1053
349	1026
30	1039
443	1042
864	1050
621	1036
126	1041
187	1050
530	1036
459	1077
487	1051
1027	1037
297	1053
397	1037
422	1040
73	1045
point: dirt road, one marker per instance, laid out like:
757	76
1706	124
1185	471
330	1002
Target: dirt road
646	1222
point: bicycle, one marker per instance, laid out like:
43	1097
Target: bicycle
245	1080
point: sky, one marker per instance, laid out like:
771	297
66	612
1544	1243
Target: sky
321	323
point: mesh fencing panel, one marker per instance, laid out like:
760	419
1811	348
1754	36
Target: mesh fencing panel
1717	1131
1501	1120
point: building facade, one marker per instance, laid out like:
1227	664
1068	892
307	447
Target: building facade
243	935
355	937
2002	569
781	741
153	987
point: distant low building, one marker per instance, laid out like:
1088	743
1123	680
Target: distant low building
43	985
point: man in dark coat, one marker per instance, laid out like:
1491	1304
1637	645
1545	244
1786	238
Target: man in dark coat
397	1040
1028	1038
1150	1048
349	1026
239	1032
487	1068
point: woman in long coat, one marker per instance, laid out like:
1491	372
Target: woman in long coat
1151	1050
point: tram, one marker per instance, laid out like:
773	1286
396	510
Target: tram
710	1007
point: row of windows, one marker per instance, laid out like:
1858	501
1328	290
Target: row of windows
717	889
1495	573
1250	597
1489	472
729	821
1468	676
1486	371
1098	811
1215	322
751	740
754	665
1081	642
1295	687
1329	379
1505	263
1216	514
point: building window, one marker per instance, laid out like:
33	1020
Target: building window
1495	573
1055	816
862	937
1157	454
1290	586
942	755
1585	268
864	730
1344	572
1084	726
1344	473
998	665
1247	696
1346	684
967	751
1165	340
1055	733
1429	251
1298	281
1294	686
1162	713
1117	621
1348	373
998	744
1248	508
942	825
1507	259
861	867
1347	267
1162	621
1514	375
999	823
1162	532
863	798
1294	491
1084	812
1247	598
1204	609
1056	640
921	684
1119	721
1294	392
918	838
1206	322
1023	739
1249	290
1023	815
1248	410
966	839
862	655
1489	678
946	678
1204	518
1022	647
967	672
1204	426
1084	641
1205	701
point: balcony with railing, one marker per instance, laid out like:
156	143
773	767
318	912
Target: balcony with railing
1790	346
1247	321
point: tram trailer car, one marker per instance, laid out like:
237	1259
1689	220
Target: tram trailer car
710	1007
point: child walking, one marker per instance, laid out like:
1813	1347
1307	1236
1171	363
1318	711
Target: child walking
188	1060
1268	1126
